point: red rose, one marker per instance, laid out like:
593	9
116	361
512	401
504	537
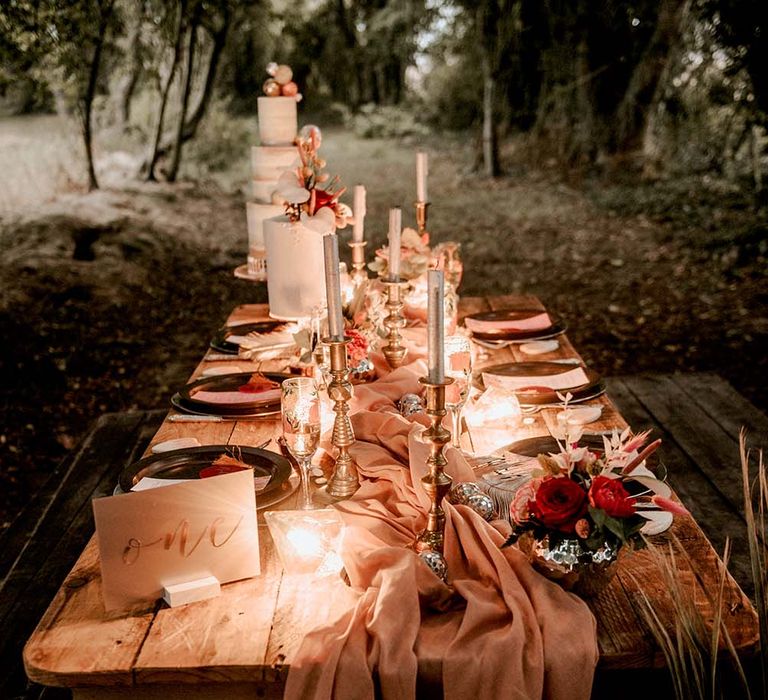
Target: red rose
559	503
612	497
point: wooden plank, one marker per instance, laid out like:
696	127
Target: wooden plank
686	422
622	641
723	404
77	643
37	574
94	461
180	648
698	573
714	513
303	603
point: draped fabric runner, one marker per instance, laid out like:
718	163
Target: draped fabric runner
499	631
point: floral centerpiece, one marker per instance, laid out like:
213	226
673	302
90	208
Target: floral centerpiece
307	189
578	509
415	256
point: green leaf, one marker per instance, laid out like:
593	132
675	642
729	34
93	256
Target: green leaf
616	527
598	516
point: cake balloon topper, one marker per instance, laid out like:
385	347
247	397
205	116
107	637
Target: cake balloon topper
280	82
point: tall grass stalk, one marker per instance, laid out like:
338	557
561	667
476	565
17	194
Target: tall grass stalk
754	513
691	649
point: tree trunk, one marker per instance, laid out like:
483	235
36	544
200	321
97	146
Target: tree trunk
86	106
350	41
128	83
632	113
198	114
490	136
219	38
155	153
173	170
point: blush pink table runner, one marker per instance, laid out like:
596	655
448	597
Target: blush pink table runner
500	630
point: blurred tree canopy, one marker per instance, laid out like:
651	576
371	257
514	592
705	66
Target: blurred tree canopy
654	84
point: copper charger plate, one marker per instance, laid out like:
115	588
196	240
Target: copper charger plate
185	399
219	342
557	327
188	463
543	396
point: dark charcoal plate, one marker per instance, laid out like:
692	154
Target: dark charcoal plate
219	342
558	326
543	396
185	399
189	462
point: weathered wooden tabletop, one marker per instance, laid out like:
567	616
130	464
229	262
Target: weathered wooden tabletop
242	642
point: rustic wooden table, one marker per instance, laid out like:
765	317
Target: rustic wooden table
241	643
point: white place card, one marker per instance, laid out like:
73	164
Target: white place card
161	537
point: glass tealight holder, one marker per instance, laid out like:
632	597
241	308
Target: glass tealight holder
307	542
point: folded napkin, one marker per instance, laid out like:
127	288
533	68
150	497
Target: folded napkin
237	397
263	341
567	379
534	322
501	630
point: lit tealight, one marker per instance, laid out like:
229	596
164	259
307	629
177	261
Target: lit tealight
307	542
492	419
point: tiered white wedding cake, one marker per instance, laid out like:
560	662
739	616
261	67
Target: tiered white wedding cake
288	177
277	133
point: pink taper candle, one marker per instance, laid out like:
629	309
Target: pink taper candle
359	212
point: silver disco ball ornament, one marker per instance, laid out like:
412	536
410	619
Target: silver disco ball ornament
410	404
436	562
460	493
482	504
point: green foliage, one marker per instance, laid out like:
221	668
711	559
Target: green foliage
386	121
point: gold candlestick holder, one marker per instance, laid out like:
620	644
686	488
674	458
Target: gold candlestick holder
394	351
358	273
421	217
344	481
436	483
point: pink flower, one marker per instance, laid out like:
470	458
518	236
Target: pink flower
669	505
520	508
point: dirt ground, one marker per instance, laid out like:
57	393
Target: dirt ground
109	298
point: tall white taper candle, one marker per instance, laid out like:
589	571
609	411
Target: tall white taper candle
359	211
435	326
333	287
395	228
422	170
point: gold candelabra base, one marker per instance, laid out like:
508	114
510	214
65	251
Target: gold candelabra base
344	481
421	217
359	272
436	482
394	351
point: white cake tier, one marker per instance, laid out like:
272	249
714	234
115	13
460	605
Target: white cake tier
278	122
256	213
270	162
263	190
296	280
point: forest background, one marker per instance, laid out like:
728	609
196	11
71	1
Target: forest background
608	156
